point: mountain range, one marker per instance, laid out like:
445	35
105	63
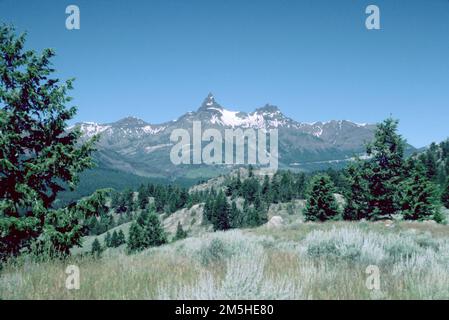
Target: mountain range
134	146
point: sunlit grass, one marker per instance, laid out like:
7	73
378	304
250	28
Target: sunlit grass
297	261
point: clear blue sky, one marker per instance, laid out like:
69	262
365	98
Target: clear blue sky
314	59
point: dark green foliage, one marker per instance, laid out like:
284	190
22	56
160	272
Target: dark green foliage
436	161
154	232
101	224
101	177
386	184
250	171
286	187
123	218
146	232
321	204
275	195
142	197
339	179
356	193
128	200
220	218
445	194
266	189
121	237
167	198
385	170
261	211
236	218
430	161
300	186
136	238
234	186
250	187
208	210
114	239
97	249
253	217
419	195
38	156
107	240
282	187
63	228
180	233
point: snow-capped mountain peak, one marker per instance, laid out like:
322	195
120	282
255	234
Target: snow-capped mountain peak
209	102
134	145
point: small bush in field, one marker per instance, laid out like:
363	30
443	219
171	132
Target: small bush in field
355	245
244	279
426	241
346	244
215	251
404	249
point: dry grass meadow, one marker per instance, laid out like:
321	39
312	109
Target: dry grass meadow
294	261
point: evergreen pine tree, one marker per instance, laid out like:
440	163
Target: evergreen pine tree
265	190
261	210
286	191
419	201
107	240
92	225
115	200
142	197
119	203
121	237
384	170
221	210
114	240
238	185
430	161
445	194
180	233
274	194
128	200
136	238
250	187
235	216
208	209
153	231
250	171
321	204
39	156
96	248
300	185
252	218
357	193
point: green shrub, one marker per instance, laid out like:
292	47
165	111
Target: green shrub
404	249
214	252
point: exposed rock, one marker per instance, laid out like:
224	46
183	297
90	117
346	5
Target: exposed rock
275	222
388	223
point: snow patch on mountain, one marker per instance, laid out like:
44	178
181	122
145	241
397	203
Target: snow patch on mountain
90	129
152	130
238	119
